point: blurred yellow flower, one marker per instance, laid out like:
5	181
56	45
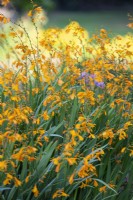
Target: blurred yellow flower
35	191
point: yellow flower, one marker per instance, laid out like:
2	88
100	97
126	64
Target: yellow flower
17	182
92	136
77	126
73	133
71	179
27	178
122	134
3	165
38	9
83	185
102	189
19	156
58	167
30	13
9	177
4	19
131	154
108	134
45	115
59	193
35	191
111	185
72	96
81	97
6	181
71	161
130	25
15	87
46	139
60	82
95	183
127	124
35	90
56	160
123	149
30	150
5	2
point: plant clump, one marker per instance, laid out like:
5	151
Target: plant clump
66	114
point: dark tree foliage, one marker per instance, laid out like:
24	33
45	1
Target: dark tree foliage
92	4
25	5
78	5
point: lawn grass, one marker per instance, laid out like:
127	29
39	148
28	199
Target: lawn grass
113	21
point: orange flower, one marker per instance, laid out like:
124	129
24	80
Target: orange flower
108	134
71	179
130	25
30	13
59	193
35	191
5	2
17	182
3	165
3	19
45	115
9	177
102	189
27	178
71	161
95	183
122	134
131	152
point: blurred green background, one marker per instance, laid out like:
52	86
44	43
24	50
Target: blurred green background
91	14
115	21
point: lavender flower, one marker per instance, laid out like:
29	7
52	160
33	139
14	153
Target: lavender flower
92	76
99	84
84	75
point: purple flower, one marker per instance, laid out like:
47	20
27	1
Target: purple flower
92	76
99	84
84	75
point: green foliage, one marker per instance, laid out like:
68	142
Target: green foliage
23	6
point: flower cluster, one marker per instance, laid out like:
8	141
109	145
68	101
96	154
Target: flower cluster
86	76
